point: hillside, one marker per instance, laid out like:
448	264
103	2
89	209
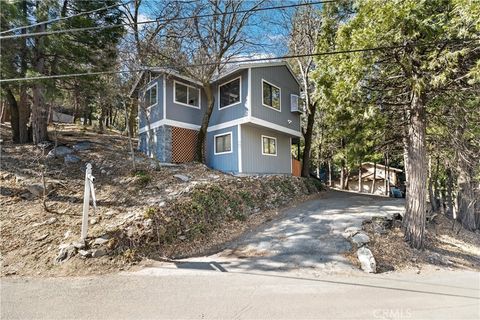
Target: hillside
153	212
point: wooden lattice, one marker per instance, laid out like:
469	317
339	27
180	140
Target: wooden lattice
184	142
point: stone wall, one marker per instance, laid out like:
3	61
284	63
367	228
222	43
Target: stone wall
162	142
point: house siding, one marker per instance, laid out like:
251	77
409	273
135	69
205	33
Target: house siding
156	111
180	112
223	162
162	143
253	161
236	111
281	77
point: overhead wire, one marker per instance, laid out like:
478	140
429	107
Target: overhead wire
284	57
61	31
64	18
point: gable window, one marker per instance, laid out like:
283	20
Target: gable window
269	146
229	93
223	143
271	95
151	96
186	95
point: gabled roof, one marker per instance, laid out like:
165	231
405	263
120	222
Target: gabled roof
381	166
234	67
228	71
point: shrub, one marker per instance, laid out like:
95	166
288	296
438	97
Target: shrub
142	177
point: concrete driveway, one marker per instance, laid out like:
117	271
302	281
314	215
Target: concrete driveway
305	238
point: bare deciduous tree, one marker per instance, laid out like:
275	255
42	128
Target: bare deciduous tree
211	39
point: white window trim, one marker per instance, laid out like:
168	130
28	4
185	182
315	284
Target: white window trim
215	143
239	146
266	105
298	102
240	92
145	93
186	104
276	146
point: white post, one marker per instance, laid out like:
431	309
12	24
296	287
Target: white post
86	201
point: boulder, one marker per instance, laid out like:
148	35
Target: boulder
59	152
181	177
100	241
360	239
82	146
367	261
71	158
66	251
36	189
99	252
80	244
42	237
351	231
85	253
51	220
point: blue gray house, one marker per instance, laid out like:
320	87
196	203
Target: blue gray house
255	120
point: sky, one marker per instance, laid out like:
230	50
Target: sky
268	30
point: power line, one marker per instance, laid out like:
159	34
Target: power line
326	53
43	33
64	18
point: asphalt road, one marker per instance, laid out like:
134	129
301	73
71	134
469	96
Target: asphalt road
291	268
193	294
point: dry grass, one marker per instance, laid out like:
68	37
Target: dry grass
444	248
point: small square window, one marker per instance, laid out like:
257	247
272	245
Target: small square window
229	93
271	95
269	146
223	143
187	95
151	96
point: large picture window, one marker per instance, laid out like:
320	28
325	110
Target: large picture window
151	96
271	95
269	146
187	95
229	93
223	143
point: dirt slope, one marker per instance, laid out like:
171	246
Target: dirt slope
129	204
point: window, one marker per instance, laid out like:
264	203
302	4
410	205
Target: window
271	95
151	96
229	93
269	146
223	143
187	95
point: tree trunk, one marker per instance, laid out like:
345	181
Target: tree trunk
374	177
307	149
347	177
466	196
39	110
132	119
329	172
202	133
414	223
387	174
360	177
101	120
25	135
14	115
342	173
449	193
433	186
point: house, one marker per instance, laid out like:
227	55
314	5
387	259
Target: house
255	120
374	172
